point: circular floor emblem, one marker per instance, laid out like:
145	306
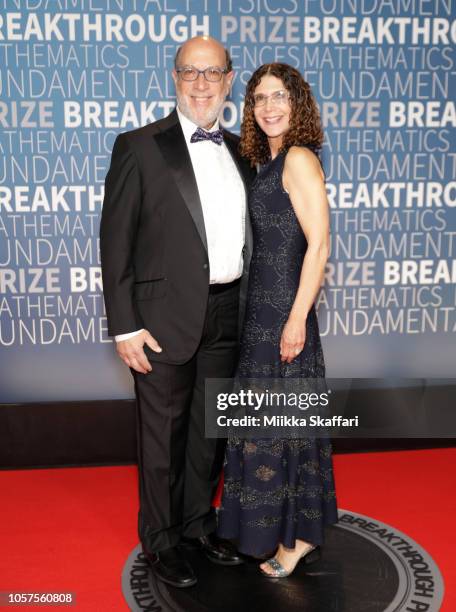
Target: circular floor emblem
366	565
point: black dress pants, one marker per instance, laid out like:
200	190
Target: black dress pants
179	468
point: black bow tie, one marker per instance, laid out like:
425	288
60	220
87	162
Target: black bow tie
200	134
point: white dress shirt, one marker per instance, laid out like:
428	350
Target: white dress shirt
223	200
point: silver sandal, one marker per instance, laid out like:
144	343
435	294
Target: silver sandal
313	554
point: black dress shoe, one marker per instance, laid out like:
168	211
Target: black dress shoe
216	550
169	566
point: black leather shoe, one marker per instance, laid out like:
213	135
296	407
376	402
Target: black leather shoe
169	566
216	550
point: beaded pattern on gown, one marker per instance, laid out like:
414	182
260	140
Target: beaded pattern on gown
276	490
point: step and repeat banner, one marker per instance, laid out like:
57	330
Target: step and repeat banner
75	73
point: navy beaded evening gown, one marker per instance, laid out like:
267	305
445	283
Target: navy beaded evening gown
276	490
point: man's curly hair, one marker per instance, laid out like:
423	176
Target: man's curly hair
305	124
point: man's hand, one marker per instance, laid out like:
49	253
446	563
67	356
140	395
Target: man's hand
132	353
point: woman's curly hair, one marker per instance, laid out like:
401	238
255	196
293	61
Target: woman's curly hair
305	124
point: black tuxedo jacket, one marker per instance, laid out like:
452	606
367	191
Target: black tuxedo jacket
153	243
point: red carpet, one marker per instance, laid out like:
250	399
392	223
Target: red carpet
71	530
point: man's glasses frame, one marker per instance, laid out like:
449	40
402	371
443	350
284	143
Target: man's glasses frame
212	74
277	97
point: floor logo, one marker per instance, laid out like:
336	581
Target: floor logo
366	565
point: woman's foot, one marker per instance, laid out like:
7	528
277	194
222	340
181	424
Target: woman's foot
286	559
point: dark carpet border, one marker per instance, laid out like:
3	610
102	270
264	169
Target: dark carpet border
98	433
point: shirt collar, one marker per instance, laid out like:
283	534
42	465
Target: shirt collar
188	127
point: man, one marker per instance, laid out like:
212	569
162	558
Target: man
174	246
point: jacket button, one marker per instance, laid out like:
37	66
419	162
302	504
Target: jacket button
205	266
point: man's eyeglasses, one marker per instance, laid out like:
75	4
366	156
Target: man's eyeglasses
278	97
213	74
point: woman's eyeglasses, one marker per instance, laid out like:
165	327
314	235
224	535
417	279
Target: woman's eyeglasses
278	97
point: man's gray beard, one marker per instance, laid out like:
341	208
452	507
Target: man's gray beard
209	119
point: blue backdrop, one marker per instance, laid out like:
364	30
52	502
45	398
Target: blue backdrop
74	74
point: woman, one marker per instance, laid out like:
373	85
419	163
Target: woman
279	493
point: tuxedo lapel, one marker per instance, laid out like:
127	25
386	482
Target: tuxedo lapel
246	174
171	142
232	145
